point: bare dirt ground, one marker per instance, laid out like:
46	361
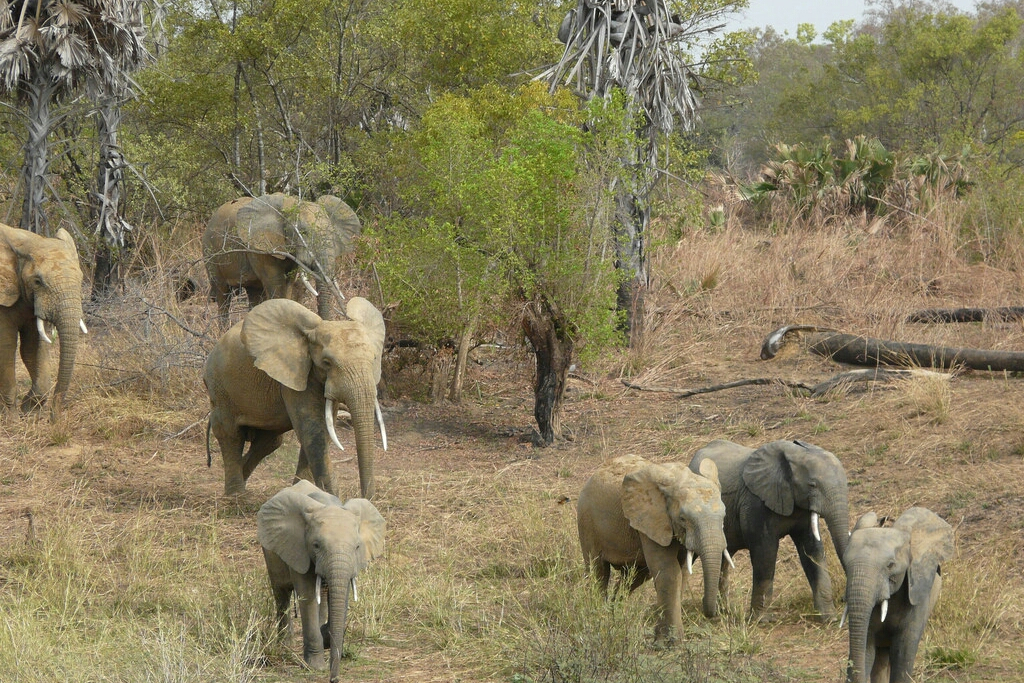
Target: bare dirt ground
955	447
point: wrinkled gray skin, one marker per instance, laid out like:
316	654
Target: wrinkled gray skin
772	492
306	533
644	516
248	241
275	370
40	280
899	565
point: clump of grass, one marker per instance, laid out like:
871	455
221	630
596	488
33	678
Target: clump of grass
930	395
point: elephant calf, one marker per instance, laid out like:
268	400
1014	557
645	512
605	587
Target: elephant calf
778	490
653	518
308	536
893	582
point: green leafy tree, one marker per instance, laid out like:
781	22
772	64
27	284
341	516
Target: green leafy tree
506	208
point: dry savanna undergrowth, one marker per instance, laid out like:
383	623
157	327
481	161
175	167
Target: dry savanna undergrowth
123	561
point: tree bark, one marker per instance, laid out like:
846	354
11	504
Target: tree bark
40	93
967	315
849	348
552	341
113	231
455	393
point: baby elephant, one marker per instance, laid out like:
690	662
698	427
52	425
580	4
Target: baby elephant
653	518
893	582
309	535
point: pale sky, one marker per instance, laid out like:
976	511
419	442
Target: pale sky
785	15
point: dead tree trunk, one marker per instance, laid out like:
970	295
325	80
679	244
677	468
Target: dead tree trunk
1002	314
849	348
552	341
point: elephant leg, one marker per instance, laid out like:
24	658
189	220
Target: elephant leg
231	441
281	588
35	354
640	575
878	665
904	646
813	561
256	295
664	567
262	444
309	612
763	571
8	354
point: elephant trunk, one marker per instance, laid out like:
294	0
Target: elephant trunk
712	548
360	397
838	522
861	602
67	319
338	614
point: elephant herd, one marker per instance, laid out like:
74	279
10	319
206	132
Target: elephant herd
650	520
284	367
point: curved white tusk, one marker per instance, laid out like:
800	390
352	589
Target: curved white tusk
329	420
40	325
843	616
337	288
355	595
318	589
815	526
307	285
726	554
882	613
81	326
690	562
380	421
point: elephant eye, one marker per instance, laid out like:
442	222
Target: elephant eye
316	545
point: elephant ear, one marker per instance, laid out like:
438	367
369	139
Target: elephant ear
932	543
344	221
644	503
767	473
709	470
276	333
260	223
869	520
281	526
365	313
371	527
9	289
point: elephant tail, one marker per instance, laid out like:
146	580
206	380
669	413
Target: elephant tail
209	458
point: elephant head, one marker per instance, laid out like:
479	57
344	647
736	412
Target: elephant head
667	501
292	344
313	234
313	530
900	563
45	272
789	475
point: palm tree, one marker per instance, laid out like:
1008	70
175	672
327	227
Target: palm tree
640	47
48	50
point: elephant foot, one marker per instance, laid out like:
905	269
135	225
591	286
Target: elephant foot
315	660
32	403
764	617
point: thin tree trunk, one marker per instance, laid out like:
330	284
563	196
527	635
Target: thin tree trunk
552	342
36	162
631	258
112	230
455	393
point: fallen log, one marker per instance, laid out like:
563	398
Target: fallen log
1002	314
857	350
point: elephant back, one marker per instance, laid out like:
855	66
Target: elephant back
220	234
729	457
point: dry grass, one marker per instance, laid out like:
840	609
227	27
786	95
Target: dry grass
122	560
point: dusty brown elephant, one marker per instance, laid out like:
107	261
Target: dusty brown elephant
309	536
261	244
654	518
284	368
40	283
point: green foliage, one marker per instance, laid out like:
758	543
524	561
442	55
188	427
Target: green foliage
502	202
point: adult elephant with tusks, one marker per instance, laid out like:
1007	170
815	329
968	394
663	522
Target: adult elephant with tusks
40	284
283	368
893	583
259	243
781	489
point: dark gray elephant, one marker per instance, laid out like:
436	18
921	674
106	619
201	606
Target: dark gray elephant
893	583
309	536
261	244
284	367
40	284
781	489
654	518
